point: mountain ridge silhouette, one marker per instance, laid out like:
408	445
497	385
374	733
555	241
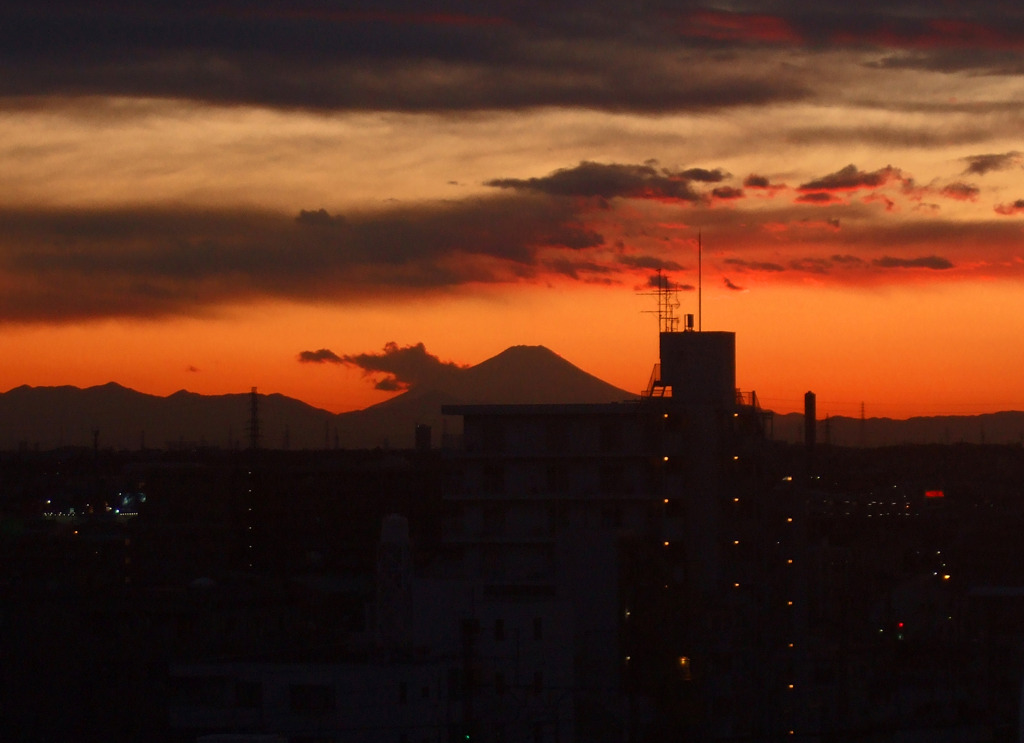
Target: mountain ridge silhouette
64	415
55	416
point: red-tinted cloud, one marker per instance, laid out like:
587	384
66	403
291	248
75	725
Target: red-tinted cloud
722	26
818	197
727	193
1015	207
761	182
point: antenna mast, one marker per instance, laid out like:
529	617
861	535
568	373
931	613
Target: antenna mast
700	283
668	302
254	420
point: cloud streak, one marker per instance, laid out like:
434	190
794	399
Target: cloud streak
79	264
404	367
982	164
590	223
379	56
616	180
323	356
932	262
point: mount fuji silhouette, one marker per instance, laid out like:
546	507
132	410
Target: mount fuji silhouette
121	418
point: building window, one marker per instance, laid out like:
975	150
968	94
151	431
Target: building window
538	628
403	692
611	437
538	683
494	520
557	478
611	517
492	436
248	694
311	699
613	479
499	683
556	435
499	629
494	478
454	684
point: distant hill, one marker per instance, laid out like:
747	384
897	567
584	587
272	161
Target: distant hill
991	428
49	417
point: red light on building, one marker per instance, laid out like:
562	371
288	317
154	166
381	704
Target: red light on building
934	494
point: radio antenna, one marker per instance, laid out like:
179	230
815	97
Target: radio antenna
668	301
700	284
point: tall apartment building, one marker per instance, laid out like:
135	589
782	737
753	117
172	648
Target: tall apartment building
638	535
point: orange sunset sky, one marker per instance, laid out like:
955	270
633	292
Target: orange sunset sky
255	194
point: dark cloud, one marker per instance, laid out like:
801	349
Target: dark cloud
383	55
192	369
754	265
727	193
323	356
933	262
405	366
66	264
910	24
982	164
847	260
851	178
1015	207
760	182
319	218
818	197
649	261
961	191
574	269
923	136
732	286
611	180
811	265
493	54
705	176
973	55
660	281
